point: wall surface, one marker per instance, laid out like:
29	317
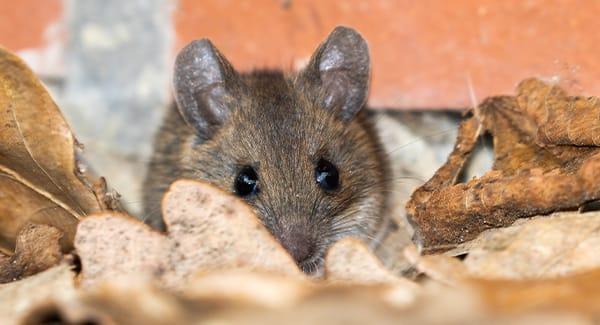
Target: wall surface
426	54
24	23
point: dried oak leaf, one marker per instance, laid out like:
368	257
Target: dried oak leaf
207	230
131	300
575	294
441	268
121	301
578	293
265	289
19	297
556	245
39	178
37	249
249	298
561	119
350	261
529	176
241	300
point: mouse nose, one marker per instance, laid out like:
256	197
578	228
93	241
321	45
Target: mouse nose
298	243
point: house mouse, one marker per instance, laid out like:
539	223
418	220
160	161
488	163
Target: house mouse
299	148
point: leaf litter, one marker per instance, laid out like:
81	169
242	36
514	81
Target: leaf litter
217	263
40	178
539	168
207	230
37	249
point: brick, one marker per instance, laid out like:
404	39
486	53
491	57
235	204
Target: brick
24	22
424	52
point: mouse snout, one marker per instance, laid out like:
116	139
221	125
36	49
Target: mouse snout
298	243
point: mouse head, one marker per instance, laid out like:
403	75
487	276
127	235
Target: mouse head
297	148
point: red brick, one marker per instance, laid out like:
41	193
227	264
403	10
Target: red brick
424	52
23	22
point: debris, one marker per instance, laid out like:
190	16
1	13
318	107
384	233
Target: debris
350	261
207	230
37	249
544	247
529	177
39	181
19	297
218	264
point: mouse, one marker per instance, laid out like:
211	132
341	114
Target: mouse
299	147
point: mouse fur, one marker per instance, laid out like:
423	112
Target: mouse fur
280	125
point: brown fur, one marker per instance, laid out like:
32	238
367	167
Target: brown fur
279	128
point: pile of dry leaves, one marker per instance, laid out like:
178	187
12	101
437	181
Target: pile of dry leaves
70	254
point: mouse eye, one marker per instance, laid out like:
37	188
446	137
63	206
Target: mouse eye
327	175
246	182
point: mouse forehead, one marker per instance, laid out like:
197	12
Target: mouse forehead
278	124
284	125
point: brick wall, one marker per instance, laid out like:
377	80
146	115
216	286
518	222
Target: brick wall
425	53
24	22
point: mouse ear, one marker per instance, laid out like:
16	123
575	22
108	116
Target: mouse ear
204	85
339	72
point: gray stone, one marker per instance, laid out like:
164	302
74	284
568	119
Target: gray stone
116	85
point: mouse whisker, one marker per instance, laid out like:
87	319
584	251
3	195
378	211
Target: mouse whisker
423	138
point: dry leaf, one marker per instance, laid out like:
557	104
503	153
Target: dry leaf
562	120
121	301
130	300
19	296
350	261
530	176
250	298
37	249
20	205
268	290
126	301
39	179
550	246
207	229
441	268
578	293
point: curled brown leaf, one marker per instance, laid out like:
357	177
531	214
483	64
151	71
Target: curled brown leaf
530	175
37	249
39	177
